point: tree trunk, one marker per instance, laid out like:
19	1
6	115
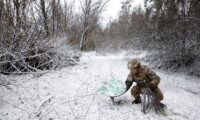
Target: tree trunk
42	3
53	15
24	23
17	7
1	8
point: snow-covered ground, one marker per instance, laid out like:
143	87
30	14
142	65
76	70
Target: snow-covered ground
72	93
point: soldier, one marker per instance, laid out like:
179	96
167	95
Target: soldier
139	73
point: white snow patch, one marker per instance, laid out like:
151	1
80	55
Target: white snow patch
72	93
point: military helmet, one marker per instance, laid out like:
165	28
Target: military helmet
134	63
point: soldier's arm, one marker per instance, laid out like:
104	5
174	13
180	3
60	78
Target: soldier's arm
129	81
155	79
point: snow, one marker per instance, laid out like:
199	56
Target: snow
72	93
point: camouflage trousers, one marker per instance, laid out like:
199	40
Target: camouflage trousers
137	90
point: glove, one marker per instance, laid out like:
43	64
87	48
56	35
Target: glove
128	84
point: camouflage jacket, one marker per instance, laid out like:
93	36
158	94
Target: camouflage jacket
146	74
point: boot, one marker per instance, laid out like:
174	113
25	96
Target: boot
137	100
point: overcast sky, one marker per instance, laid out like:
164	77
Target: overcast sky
113	8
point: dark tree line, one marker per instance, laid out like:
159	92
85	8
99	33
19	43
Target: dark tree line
176	34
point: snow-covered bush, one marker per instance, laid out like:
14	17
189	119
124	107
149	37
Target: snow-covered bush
24	56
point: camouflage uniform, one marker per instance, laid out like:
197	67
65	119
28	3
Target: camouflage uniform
143	73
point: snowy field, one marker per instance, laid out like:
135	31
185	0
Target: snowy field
72	93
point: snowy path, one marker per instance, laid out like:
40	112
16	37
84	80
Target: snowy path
71	94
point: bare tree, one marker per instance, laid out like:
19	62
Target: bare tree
53	15
91	9
17	10
124	18
44	14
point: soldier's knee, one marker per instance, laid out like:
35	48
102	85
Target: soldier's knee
159	94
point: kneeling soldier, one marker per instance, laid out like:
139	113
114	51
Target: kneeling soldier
139	73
